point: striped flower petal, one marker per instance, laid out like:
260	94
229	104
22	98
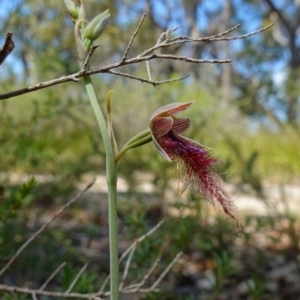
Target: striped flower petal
161	126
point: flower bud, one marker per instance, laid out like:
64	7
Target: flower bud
95	28
72	9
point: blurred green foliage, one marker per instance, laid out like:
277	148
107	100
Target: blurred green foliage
13	200
57	135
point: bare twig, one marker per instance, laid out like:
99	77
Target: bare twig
132	246
166	271
15	289
165	36
133	37
140	239
76	279
227	31
243	36
33	295
137	286
187	59
158	280
42	228
144	56
52	276
128	262
154	83
106	69
187	38
92	296
89	55
39	86
216	37
148	70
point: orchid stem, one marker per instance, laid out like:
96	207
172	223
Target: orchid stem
111	177
138	140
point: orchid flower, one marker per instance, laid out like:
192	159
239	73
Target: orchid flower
198	163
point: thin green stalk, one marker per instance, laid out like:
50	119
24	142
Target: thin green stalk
140	139
111	177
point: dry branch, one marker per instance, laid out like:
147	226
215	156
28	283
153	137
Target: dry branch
133	37
15	289
131	289
147	55
139	285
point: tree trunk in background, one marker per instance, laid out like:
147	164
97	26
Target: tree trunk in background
286	33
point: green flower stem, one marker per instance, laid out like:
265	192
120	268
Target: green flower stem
111	176
87	43
138	140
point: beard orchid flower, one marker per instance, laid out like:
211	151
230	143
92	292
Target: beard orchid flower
196	160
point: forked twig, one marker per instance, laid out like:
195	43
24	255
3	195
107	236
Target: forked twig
97	296
183	38
243	36
88	57
158	280
154	83
187	59
165	36
133	37
212	38
140	239
26	291
137	286
42	228
144	56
